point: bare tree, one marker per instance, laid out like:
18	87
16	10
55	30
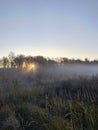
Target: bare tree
5	62
19	60
11	59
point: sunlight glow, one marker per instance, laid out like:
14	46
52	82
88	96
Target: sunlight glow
31	67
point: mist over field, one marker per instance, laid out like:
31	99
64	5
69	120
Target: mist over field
50	81
48	73
38	93
72	69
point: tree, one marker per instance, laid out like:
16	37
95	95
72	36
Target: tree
40	60
51	62
5	62
87	60
11	59
0	63
19	60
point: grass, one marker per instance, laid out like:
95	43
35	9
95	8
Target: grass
70	104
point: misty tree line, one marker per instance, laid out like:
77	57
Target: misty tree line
12	61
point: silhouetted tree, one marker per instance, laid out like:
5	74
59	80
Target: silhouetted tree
64	60
79	61
87	60
19	60
51	62
1	63
29	59
40	60
5	62
11	59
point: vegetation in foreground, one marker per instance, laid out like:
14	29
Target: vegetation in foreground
70	104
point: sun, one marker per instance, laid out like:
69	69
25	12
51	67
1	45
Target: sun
31	67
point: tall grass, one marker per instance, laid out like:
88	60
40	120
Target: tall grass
70	104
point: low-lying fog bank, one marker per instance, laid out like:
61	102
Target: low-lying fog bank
77	69
48	73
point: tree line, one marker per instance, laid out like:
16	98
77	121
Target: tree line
12	61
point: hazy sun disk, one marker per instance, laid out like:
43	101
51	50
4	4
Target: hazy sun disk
32	67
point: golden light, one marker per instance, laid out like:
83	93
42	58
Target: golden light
32	67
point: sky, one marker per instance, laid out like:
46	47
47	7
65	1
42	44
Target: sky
50	28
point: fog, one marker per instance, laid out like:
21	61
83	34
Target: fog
48	73
70	70
78	69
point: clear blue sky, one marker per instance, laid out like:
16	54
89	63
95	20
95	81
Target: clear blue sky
53	28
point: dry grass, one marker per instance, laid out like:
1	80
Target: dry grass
61	105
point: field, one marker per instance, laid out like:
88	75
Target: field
40	100
48	64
